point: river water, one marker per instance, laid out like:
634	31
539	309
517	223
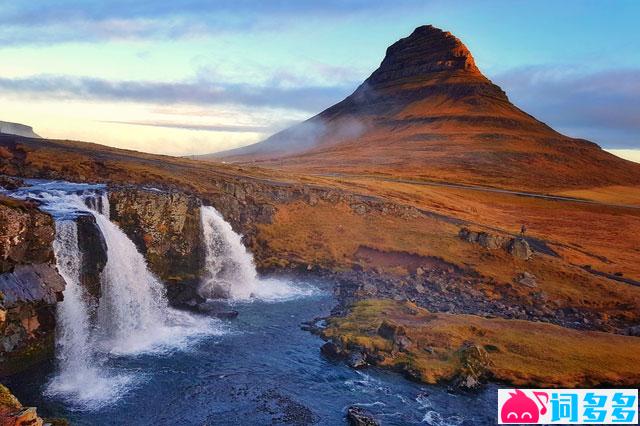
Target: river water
263	369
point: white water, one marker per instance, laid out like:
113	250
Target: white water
131	317
80	376
230	270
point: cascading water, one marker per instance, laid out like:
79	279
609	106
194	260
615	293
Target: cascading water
81	376
230	270
133	315
133	307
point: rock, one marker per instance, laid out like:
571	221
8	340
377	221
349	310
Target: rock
633	331
397	334
357	360
26	234
490	241
403	343
484	239
527	279
358	416
519	248
474	367
390	330
93	247
165	227
12	413
332	351
467	235
10	183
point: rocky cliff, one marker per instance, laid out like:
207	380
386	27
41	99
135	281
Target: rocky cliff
17	129
30	285
166	228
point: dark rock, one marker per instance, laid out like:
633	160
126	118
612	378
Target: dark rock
633	331
358	416
93	247
357	360
332	351
10	183
26	234
390	331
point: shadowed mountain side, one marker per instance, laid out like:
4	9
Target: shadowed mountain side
428	113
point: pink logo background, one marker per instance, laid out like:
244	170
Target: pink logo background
519	408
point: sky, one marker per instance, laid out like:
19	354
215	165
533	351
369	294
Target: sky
199	76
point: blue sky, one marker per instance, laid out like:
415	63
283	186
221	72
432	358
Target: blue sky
197	76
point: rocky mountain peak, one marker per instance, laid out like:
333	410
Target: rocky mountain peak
426	51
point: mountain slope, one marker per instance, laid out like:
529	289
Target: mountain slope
429	113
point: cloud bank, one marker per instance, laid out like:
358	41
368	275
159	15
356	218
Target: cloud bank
603	106
197	92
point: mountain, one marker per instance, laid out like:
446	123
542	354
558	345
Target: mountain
429	113
18	129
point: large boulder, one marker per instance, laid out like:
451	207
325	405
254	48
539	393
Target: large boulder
93	247
520	248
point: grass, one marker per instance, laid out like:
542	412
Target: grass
521	352
332	235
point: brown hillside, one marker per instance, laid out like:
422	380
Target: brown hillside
428	113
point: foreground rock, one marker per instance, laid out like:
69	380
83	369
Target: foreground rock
358	416
30	286
13	413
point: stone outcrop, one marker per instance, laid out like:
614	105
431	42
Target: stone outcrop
18	129
30	285
26	234
520	248
93	247
517	247
13	413
474	368
165	226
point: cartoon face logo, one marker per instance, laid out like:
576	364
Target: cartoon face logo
519	408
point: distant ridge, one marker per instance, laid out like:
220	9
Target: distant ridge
18	129
429	113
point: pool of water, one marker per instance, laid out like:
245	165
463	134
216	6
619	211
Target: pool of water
260	369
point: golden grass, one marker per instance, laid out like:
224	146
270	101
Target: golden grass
616	194
330	236
522	352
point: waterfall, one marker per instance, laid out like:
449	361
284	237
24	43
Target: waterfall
230	272
132	314
81	376
73	338
133	306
